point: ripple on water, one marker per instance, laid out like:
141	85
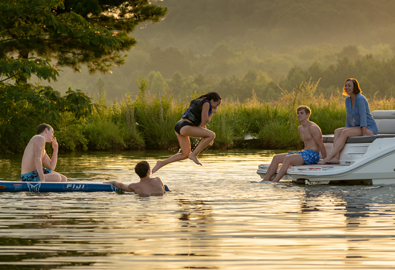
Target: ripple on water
217	216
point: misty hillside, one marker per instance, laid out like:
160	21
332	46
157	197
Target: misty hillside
250	45
200	25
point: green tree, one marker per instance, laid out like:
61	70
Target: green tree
32	34
50	29
118	16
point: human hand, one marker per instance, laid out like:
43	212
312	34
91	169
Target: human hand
211	143
109	182
214	110
55	145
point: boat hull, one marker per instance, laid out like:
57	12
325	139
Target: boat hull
363	159
373	165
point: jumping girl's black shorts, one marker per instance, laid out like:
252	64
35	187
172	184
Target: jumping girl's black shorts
180	124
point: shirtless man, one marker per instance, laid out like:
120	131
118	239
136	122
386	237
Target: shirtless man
35	156
311	135
147	185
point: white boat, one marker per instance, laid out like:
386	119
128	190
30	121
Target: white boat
363	160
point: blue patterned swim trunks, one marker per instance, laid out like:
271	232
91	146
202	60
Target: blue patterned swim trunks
33	176
309	156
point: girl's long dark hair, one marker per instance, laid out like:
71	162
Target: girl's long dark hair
209	96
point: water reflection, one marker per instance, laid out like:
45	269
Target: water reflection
214	218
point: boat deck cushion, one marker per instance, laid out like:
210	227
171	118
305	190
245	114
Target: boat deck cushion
358	139
383	114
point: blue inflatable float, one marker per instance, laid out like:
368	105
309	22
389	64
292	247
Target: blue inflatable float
18	186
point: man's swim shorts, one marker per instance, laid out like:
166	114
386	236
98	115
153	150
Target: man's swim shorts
309	156
33	176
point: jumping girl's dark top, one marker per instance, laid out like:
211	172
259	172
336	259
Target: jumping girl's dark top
194	112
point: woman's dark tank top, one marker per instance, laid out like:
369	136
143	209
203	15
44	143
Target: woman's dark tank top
194	112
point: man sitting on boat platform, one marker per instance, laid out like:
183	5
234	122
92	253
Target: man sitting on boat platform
35	156
147	186
311	135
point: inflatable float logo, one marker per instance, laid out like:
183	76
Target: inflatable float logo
114	188
34	187
75	186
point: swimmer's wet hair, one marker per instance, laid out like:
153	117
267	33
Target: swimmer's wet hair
42	127
305	108
142	169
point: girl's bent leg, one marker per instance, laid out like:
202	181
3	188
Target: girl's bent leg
207	135
185	151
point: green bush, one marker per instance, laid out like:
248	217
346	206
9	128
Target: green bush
148	122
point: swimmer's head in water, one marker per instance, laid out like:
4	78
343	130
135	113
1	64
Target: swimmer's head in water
142	168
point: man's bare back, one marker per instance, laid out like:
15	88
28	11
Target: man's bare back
147	186
29	155
35	156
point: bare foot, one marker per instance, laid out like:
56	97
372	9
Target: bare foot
195	159
322	162
159	164
334	161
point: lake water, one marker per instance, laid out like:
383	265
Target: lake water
216	217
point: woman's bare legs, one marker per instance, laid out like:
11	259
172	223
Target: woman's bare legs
208	136
335	159
341	141
185	144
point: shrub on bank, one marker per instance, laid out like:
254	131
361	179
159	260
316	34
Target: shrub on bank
129	124
148	122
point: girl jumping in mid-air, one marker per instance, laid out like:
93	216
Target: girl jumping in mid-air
193	124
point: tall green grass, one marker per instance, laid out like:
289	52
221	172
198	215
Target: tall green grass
148	121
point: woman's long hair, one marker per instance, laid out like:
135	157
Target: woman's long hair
209	96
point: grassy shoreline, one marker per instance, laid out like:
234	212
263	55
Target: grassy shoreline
148	122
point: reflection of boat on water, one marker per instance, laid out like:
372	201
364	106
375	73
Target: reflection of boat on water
363	160
18	186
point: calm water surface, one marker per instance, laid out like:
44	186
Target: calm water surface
217	217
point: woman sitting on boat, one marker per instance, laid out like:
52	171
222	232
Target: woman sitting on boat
359	120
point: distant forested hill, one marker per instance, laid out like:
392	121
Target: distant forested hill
237	46
200	25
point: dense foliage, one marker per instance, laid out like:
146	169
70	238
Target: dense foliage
256	53
204	45
35	34
148	122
